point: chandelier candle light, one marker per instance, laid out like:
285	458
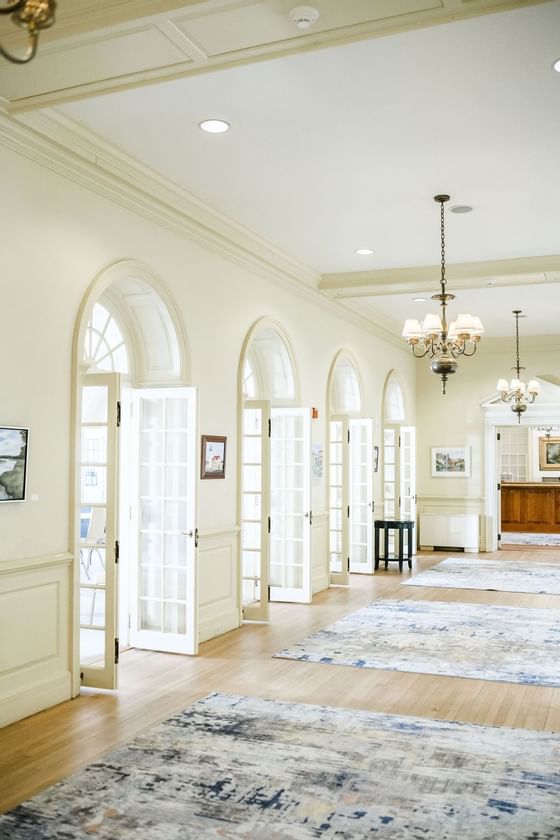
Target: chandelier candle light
517	393
33	15
434	338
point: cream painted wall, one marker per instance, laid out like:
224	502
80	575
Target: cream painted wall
458	418
57	238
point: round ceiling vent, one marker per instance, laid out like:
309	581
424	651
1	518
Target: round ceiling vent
304	16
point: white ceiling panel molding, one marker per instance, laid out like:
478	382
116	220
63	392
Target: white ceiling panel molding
212	33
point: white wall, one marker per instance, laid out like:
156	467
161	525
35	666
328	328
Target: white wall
57	237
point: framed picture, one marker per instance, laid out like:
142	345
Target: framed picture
213	457
317	461
451	461
13	463
549	453
375	458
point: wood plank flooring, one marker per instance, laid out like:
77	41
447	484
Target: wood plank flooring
40	750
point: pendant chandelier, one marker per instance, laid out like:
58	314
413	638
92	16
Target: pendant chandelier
434	338
517	393
33	15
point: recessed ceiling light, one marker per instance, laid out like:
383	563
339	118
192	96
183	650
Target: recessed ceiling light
214	126
461	208
556	65
364	252
420	300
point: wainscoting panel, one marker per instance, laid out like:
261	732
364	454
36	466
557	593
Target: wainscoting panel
218	582
320	552
35	635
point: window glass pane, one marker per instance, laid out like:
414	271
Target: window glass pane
92	648
94	404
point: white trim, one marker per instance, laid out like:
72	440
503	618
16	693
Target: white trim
43	561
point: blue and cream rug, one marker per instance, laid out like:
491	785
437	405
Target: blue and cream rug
508	644
519	538
238	767
498	575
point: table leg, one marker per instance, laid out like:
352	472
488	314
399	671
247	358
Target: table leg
376	547
400	549
386	543
410	530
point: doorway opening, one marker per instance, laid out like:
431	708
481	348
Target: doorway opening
398	458
134	500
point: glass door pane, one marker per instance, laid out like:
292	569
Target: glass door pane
338	501
163	611
254	511
290	493
98	529
361	495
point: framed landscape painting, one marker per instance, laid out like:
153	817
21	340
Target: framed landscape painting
13	463
451	461
549	453
213	457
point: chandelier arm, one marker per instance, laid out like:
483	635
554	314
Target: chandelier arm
420	355
12	7
465	353
31	51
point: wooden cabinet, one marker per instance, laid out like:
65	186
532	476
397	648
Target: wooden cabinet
531	508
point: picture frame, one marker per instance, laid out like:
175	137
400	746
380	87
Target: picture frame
451	461
375	459
213	456
317	461
14	451
549	453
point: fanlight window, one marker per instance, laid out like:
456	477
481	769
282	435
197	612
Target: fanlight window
249	381
104	347
394	403
345	393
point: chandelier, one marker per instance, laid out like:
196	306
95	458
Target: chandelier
32	15
517	393
434	338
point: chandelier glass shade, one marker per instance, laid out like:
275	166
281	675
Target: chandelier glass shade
33	15
516	392
434	338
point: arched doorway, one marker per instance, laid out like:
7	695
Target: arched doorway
134	489
274	475
350	473
399	455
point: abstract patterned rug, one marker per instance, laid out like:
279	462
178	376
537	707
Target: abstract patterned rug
507	644
518	538
497	575
238	767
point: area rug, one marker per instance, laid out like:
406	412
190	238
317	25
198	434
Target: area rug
518	538
507	644
497	575
239	767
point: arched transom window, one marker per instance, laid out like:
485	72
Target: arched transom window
104	346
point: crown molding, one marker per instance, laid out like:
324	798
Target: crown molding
65	148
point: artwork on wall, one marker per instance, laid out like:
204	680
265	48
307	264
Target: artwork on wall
213	457
375	458
13	463
549	453
317	461
451	461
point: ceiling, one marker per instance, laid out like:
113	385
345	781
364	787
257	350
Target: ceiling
340	135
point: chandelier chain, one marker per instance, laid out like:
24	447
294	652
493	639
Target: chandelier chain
442	247
517	343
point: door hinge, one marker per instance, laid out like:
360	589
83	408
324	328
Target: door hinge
499	537
348	435
196	537
348	511
269	427
129	621
116	651
399	440
499	486
268	525
348	564
498	436
373	507
118	413
269	593
311	517
117	551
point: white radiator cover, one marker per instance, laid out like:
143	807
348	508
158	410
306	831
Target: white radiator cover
449	530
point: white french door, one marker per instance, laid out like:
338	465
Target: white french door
163	609
399	475
98	543
339	556
290	505
254	510
350	497
361	495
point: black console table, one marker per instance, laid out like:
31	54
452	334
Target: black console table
401	526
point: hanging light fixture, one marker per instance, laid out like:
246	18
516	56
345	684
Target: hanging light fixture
33	15
517	393
433	338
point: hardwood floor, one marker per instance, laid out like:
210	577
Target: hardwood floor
40	750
